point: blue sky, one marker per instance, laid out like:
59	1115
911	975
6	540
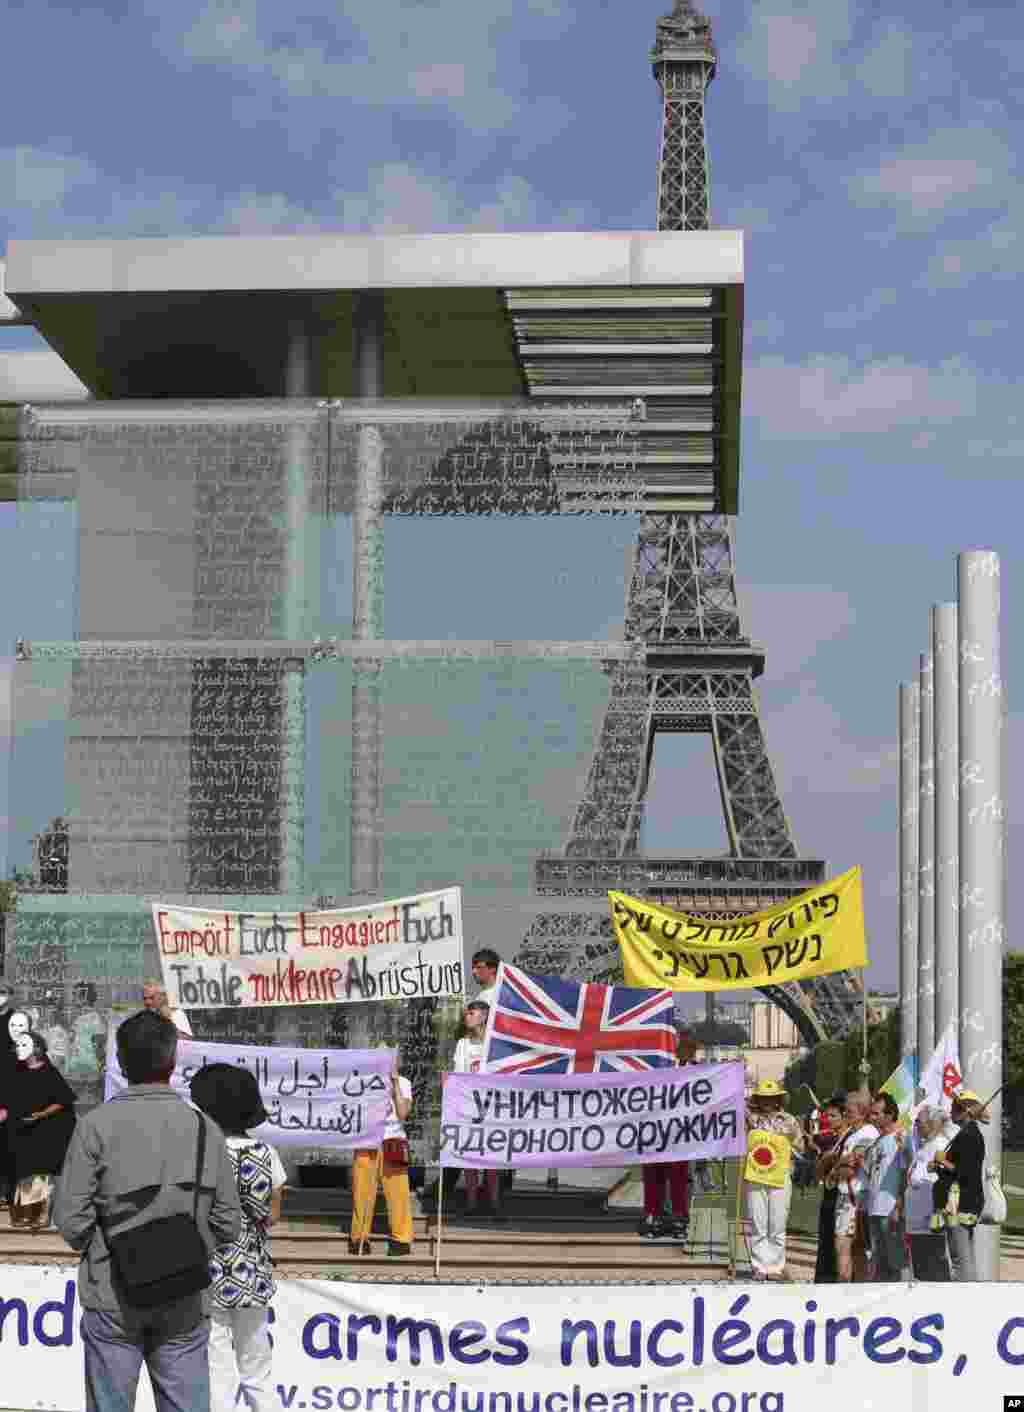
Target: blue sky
870	154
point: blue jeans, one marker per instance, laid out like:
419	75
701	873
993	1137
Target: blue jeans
171	1340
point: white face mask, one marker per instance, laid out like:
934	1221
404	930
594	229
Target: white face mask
17	1024
4	997
23	1047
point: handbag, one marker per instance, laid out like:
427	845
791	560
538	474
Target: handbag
395	1151
166	1259
994	1211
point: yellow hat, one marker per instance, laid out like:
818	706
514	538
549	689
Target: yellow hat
768	1088
966	1096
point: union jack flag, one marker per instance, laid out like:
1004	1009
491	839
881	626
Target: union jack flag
544	1025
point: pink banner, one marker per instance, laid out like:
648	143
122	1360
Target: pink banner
593	1120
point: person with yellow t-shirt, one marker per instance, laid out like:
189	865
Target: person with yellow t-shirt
773	1135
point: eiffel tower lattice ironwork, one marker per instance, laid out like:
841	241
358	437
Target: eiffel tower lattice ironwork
698	673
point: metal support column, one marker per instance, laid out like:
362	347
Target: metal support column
909	784
367	600
298	383
946	686
982	821
926	867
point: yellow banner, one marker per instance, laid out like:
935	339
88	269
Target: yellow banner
767	1158
820	931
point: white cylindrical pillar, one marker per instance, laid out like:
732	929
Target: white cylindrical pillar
909	784
297	470
946	686
982	824
925	867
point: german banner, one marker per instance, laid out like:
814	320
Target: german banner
409	949
593	1120
820	931
327	1098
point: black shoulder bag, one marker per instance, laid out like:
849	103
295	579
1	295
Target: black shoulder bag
165	1259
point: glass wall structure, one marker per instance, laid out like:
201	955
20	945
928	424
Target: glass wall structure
212	592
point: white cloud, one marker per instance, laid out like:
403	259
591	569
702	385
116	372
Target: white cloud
34	178
381	55
796	48
966	168
994	253
769	610
37	376
863	312
829	396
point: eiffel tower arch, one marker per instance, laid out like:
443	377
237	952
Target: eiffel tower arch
696	674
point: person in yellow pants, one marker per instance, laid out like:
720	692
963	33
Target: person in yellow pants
387	1165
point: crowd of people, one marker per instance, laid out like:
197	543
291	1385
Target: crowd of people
893	1197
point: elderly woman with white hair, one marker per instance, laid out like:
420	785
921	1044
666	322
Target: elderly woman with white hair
927	1246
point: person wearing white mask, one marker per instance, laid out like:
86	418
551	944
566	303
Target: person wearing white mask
40	1117
7	1070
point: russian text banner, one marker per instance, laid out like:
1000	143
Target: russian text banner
593	1120
328	1098
816	933
408	949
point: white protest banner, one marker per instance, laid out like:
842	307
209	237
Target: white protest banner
408	949
593	1120
365	1347
331	1098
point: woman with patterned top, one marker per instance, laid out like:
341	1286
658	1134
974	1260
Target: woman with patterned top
768	1206
242	1278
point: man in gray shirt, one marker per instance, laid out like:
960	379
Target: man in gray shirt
132	1160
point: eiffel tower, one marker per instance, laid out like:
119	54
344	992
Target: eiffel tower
698	675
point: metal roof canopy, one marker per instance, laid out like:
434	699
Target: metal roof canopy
562	315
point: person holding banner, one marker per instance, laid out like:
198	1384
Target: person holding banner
673	1176
851	1233
962	1162
773	1135
483	1188
831	1137
386	1166
928	1257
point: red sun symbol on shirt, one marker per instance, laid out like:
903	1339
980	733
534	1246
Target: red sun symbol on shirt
763	1156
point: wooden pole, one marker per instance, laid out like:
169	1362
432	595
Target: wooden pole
440	1220
741	1161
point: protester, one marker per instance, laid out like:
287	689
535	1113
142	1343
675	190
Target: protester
883	1176
831	1137
962	1162
484	966
131	1161
851	1230
242	1273
154	997
666	1178
40	1118
927	1247
386	1166
7	1070
483	1188
768	1206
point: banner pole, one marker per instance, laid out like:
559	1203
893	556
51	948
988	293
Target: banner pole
740	1161
440	1220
